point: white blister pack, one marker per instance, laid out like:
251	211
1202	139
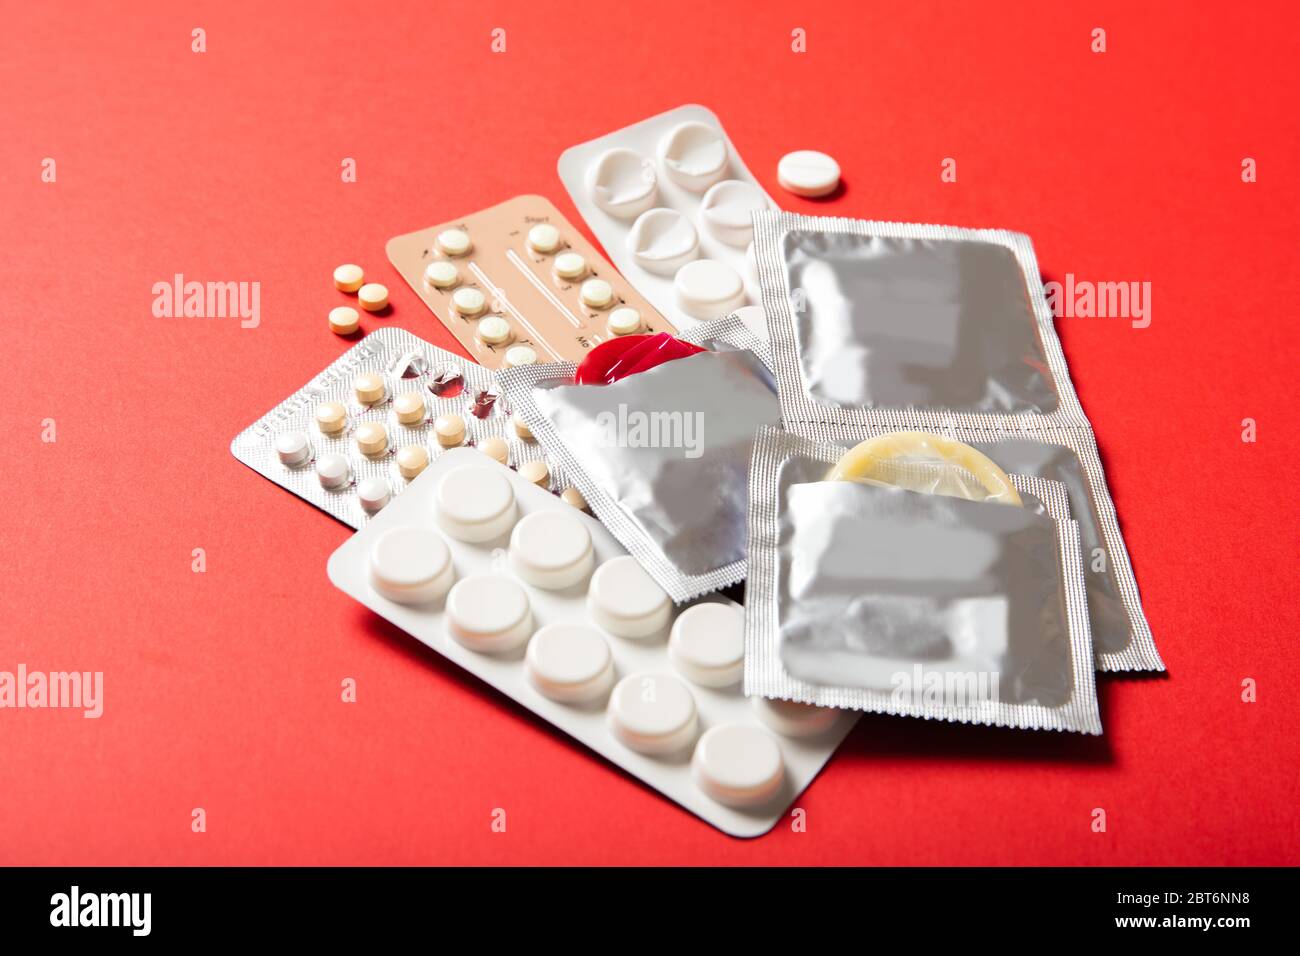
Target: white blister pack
352	439
538	600
672	203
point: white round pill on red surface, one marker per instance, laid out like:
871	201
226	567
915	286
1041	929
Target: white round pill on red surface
349	278
662	241
727	210
806	172
551	549
476	503
626	601
708	289
570	662
707	644
739	765
489	613
344	320
373	296
411	565
622	183
694	155
652	713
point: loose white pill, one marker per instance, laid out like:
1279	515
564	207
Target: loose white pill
411	565
476	503
331	417
707	644
694	155
489	613
468	301
739	765
374	493
551	550
537	472
727	210
496	449
449	430
372	438
708	289
652	713
411	460
518	355
624	321
597	293
570	265
543	238
623	183
806	172
494	330
792	719
294	448
349	278
454	242
409	408
626	601
369	388
662	241
333	471
373	296
344	320
441	274
569	662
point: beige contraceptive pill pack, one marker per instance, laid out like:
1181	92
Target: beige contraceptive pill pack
518	284
538	600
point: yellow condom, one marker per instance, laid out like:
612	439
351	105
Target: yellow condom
925	462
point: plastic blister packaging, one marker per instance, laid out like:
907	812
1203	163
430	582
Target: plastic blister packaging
598	651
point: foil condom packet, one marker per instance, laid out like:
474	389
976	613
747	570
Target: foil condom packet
662	456
871	595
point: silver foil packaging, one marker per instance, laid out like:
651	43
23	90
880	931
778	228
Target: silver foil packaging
878	598
662	457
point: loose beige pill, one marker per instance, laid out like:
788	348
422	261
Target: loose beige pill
409	407
544	238
494	330
520	355
523	431
450	430
624	321
574	497
468	302
369	388
411	460
373	296
536	472
496	449
331	417
372	438
570	265
441	274
344	320
597	293
349	277
454	242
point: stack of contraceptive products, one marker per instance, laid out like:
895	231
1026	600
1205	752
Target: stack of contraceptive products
870	424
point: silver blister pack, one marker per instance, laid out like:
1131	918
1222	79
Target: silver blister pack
879	598
448	385
662	457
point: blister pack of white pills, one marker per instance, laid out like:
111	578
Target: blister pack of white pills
351	439
671	201
538	600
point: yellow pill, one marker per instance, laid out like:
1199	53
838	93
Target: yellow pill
373	296
496	449
409	408
344	320
369	388
536	472
331	417
349	277
523	431
450	430
372	438
411	460
574	497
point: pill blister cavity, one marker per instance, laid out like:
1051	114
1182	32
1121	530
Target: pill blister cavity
622	183
694	155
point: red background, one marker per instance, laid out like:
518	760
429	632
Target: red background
222	689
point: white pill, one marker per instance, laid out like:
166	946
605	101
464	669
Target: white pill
624	321
662	241
294	448
622	183
739	765
597	293
344	320
489	613
476	503
652	713
707	644
551	549
441	274
468	301
806	172
411	565
349	277
374	493
494	330
569	662
518	355
373	296
755	320
454	242
694	155
792	719
369	388
333	471
544	238
372	438
708	289
570	265
626	601
727	210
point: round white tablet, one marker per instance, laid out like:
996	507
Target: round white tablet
411	565
694	155
652	713
374	493
727	208
454	242
349	278
626	601
294	448
489	613
570	265
708	289
755	320
739	765
518	355
707	644
570	663
662	241
475	503
344	320
806	172
494	330
597	293
551	549
468	301
792	719
543	238
622	183
624	321
441	274
373	297
333	471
